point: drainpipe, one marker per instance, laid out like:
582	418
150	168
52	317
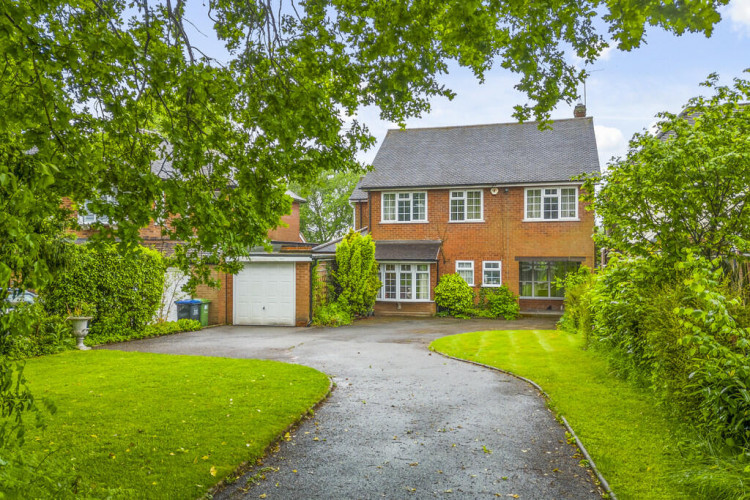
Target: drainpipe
310	293
369	208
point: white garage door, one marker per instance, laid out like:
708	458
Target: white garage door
264	294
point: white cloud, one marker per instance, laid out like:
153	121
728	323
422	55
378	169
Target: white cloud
606	52
610	141
738	11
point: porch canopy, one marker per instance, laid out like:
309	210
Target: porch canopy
407	250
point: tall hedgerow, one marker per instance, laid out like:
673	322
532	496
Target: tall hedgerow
126	290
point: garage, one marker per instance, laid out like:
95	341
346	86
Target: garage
264	294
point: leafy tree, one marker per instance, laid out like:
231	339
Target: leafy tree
356	274
685	187
327	213
101	97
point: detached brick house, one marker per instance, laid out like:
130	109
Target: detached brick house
493	203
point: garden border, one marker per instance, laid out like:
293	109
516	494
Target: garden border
603	482
245	467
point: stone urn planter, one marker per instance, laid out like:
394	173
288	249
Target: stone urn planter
80	326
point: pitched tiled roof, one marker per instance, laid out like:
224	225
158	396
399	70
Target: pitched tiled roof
505	153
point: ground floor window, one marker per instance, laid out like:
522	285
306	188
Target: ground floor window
491	273
539	278
404	282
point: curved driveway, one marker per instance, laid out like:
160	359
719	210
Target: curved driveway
402	422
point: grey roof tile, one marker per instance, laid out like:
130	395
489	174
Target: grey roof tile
505	153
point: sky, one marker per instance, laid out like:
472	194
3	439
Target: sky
624	92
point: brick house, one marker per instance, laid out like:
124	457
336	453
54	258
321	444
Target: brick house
271	289
493	203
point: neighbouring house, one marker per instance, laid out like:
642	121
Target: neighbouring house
497	204
273	288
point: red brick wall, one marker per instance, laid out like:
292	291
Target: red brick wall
361	214
405	308
219	297
302	287
290	233
502	236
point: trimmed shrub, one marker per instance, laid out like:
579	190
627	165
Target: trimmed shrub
126	290
356	274
498	301
454	296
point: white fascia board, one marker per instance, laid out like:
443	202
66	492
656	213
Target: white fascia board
276	258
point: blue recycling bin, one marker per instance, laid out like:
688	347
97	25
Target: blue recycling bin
189	309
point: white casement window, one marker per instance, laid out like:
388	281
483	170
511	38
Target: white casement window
90	218
466	206
405	282
465	269
404	207
491	273
557	203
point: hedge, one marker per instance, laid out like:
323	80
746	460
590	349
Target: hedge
126	290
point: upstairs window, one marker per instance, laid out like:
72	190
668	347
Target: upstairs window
559	203
466	206
405	207
87	217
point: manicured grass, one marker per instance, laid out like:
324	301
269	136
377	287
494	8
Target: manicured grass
163	426
632	441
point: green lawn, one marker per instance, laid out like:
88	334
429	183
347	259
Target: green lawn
632	441
163	426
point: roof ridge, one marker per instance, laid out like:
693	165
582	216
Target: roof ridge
477	125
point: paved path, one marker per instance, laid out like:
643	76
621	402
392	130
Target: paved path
402	422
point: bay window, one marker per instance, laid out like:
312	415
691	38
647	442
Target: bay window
404	282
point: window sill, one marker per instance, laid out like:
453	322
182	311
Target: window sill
492	286
551	220
411	301
465	221
404	222
542	298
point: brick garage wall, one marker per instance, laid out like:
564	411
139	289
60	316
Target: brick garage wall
302	287
218	311
503	235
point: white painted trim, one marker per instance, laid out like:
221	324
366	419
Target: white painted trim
275	258
541	208
465	198
396	192
381	272
473	278
500	269
469	187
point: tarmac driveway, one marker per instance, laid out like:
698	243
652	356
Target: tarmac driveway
402	422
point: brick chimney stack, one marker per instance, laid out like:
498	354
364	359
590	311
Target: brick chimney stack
579	111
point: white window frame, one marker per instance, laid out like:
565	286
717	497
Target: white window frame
91	218
557	196
471	263
484	271
411	205
465	199
413	272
